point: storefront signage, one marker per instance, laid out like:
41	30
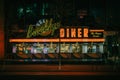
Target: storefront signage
80	33
96	34
48	29
73	32
44	29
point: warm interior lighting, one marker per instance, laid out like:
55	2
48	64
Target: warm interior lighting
59	40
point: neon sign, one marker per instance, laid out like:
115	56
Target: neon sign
45	29
73	32
80	33
70	35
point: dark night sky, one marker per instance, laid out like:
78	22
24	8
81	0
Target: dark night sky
107	11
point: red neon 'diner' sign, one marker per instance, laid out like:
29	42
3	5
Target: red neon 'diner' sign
73	32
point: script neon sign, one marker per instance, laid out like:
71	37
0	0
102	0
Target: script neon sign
45	29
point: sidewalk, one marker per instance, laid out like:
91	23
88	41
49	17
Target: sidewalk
92	69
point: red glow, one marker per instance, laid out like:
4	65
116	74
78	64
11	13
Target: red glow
1	38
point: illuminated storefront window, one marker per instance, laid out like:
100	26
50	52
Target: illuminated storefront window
70	43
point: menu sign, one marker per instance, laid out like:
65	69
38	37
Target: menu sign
96	34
